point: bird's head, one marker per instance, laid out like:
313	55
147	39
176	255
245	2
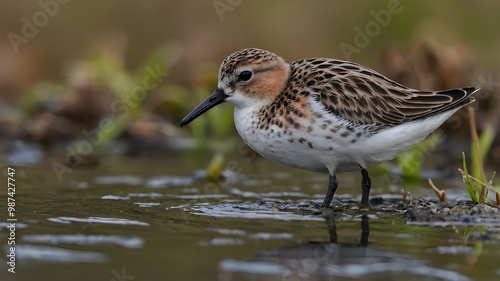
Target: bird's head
247	77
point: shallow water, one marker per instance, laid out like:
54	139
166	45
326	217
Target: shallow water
151	218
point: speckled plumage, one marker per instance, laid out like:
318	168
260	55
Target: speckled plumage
324	114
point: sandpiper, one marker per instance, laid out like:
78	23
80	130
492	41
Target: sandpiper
326	115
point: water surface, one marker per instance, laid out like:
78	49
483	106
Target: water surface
151	218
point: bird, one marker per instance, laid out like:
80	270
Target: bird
326	115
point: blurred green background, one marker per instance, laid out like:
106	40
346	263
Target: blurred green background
65	66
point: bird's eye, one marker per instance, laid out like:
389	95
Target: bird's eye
245	75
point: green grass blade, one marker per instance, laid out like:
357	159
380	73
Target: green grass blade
470	186
485	141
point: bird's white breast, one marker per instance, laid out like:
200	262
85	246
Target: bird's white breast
329	144
294	147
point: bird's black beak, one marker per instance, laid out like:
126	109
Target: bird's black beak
217	97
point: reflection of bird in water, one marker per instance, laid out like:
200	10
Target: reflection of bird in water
329	250
317	260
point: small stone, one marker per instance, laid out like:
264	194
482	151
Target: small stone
483	209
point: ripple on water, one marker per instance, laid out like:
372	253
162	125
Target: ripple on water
197	196
222	242
259	235
130	180
250	211
120	221
292	270
81	239
261	268
146	204
165	181
256	236
251	194
49	254
131	195
19	225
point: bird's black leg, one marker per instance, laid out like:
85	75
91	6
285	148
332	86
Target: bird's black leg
366	184
332	187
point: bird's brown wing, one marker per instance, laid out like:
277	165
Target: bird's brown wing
366	97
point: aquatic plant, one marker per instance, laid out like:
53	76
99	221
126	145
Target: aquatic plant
214	168
478	186
101	99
